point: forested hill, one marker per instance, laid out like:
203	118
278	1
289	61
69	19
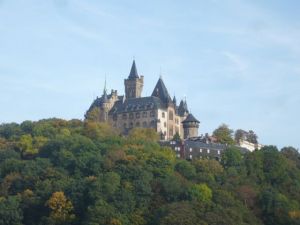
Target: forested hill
71	172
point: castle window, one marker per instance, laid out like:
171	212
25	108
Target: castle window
125	125
124	116
170	115
152	124
137	124
191	157
137	115
219	152
131	125
165	124
163	115
201	150
191	149
152	113
208	151
145	114
131	116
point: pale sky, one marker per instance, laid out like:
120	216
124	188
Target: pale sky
236	61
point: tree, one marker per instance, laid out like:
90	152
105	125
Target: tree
61	208
179	213
176	137
232	157
224	135
239	135
26	145
10	211
101	213
143	135
200	192
252	137
186	169
94	115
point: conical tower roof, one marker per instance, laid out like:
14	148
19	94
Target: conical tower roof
161	91
133	72
190	118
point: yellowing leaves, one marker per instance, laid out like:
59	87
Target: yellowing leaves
61	208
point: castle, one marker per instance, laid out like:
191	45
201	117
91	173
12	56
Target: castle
157	111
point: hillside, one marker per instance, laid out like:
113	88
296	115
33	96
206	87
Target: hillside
70	172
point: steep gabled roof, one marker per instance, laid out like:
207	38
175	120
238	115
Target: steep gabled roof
160	91
190	118
133	72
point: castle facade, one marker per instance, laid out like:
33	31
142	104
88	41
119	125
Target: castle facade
157	111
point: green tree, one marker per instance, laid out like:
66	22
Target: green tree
10	211
186	169
179	213
176	137
231	157
25	145
224	135
200	192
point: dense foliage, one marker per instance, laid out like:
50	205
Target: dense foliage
74	172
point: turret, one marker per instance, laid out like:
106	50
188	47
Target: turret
183	108
190	126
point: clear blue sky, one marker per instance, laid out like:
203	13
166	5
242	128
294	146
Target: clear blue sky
237	61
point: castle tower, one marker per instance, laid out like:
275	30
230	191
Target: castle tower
190	126
134	84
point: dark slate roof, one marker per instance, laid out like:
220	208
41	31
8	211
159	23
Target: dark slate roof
182	109
200	144
161	92
133	72
98	102
174	100
190	118
217	146
137	104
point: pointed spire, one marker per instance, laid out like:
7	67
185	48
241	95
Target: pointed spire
133	72
104	96
174	100
104	89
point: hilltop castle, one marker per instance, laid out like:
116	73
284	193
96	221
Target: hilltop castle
157	111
